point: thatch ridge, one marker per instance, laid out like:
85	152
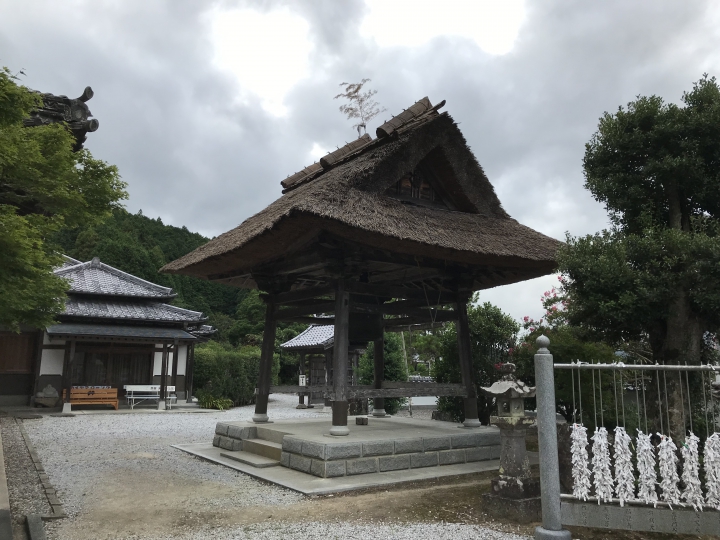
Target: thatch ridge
352	194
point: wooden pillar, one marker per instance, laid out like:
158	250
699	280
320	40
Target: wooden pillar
266	361
67	372
328	373
379	374
340	361
175	364
189	367
466	367
301	370
163	377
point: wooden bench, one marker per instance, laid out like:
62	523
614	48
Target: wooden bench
93	396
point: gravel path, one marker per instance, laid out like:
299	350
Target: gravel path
348	531
110	469
26	493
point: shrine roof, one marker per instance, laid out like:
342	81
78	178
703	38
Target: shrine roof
346	194
313	336
97	278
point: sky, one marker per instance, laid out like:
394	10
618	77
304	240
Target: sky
206	106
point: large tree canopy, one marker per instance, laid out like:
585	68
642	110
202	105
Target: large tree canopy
654	278
43	186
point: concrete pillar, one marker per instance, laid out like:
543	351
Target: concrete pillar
266	361
340	361
378	375
466	368
547	441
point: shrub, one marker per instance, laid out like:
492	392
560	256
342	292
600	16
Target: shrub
224	371
207	401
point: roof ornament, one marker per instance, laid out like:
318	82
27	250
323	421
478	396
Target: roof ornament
74	112
361	105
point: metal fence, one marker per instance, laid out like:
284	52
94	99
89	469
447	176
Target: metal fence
659	402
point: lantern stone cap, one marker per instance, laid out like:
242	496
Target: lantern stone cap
511	389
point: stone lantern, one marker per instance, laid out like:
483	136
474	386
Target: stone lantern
513	490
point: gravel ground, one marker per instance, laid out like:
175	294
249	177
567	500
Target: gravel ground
107	465
348	531
26	493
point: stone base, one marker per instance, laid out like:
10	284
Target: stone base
515	488
381	446
516	510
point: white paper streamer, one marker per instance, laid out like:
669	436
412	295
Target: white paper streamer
711	465
647	477
692	494
667	459
580	462
624	470
601	466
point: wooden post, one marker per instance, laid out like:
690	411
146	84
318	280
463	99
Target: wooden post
189	367
175	364
163	378
328	373
378	375
301	400
68	376
266	360
340	361
466	367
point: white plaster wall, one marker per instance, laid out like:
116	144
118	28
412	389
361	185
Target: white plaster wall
182	359
51	361
157	364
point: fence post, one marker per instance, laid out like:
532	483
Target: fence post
547	441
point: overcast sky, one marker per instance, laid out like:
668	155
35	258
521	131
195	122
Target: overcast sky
206	106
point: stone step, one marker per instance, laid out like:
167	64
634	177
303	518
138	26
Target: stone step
251	459
269	434
261	447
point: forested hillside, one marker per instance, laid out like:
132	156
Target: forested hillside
139	245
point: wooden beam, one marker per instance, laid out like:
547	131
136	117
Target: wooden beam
300	294
312	309
414	327
395	291
389	389
438	316
309	320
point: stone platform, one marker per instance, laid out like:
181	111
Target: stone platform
384	445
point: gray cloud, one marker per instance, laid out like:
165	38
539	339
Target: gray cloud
195	156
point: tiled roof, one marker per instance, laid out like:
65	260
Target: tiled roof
111	308
313	336
95	277
68	262
65	330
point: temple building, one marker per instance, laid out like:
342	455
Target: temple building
385	233
116	329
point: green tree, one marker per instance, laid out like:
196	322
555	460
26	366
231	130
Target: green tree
44	186
395	367
655	276
492	335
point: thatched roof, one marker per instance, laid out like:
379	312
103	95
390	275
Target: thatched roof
345	195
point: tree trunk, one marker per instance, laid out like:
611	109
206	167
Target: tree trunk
679	343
